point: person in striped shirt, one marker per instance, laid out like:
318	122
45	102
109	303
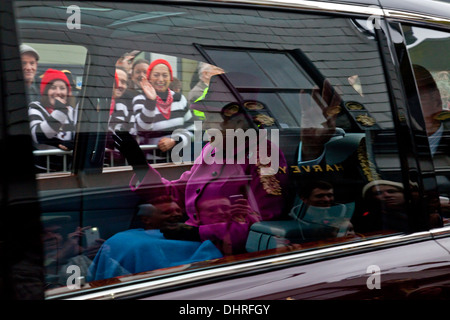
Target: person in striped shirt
121	113
163	117
53	118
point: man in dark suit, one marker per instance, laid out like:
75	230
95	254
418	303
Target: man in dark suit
437	124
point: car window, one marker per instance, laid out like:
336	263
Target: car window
53	140
203	133
432	76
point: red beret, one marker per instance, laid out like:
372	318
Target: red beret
156	62
116	78
51	75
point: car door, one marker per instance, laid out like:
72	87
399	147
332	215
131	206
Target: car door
291	60
21	259
421	42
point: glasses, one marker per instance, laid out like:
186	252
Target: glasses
230	111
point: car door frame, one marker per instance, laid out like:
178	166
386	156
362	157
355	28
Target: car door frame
21	260
431	19
139	287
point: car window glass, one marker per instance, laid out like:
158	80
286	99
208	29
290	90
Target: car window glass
288	143
53	137
432	75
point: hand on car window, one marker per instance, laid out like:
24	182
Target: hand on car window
316	135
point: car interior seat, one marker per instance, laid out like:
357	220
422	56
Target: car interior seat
297	228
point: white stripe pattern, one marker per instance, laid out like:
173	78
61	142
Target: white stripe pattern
45	126
150	119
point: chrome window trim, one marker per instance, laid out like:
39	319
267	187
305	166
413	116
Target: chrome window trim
312	5
440	232
353	8
415	17
141	286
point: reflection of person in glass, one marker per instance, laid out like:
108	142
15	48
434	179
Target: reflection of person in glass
386	207
162	213
227	216
160	111
318	194
138	71
30	58
436	120
143	249
263	195
52	119
62	251
121	113
205	72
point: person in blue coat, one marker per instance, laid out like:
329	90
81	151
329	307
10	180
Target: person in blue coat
146	248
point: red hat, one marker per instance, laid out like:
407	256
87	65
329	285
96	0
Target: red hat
51	75
116	78
156	62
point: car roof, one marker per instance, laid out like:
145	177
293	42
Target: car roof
424	11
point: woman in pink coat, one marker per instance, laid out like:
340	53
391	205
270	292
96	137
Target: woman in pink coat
221	195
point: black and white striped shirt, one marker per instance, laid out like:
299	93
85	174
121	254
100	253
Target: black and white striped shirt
123	118
51	129
152	125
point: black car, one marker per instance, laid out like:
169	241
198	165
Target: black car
225	150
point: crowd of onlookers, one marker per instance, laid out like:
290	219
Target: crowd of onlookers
146	101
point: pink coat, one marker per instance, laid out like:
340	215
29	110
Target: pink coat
265	195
